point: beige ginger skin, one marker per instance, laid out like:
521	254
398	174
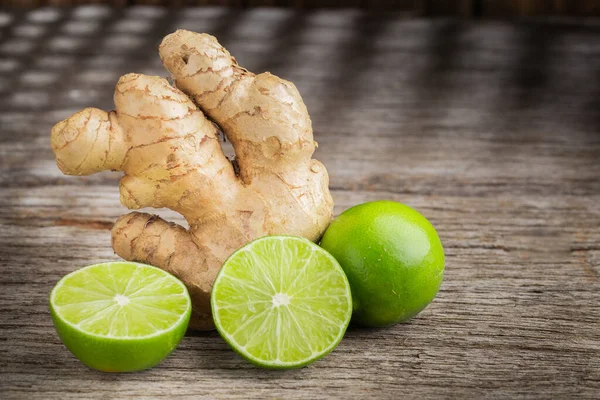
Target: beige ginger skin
160	137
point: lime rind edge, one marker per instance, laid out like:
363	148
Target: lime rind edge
183	316
278	364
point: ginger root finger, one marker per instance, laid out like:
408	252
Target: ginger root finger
263	115
151	240
87	142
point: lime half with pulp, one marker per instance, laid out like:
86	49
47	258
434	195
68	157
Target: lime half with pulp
281	302
120	316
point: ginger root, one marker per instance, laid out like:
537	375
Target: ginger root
171	157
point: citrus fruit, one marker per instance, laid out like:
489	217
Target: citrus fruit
392	257
120	316
281	302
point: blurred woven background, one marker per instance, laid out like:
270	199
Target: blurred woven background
464	8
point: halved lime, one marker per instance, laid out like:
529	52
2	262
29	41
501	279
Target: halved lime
120	316
281	302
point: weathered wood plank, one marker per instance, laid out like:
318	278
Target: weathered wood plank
490	129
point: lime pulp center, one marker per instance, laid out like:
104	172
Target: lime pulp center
281	299
121	299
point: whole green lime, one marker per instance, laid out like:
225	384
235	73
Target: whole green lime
393	259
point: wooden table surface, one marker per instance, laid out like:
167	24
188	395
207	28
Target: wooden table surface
491	129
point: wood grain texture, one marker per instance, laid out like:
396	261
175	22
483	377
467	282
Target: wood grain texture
492	130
